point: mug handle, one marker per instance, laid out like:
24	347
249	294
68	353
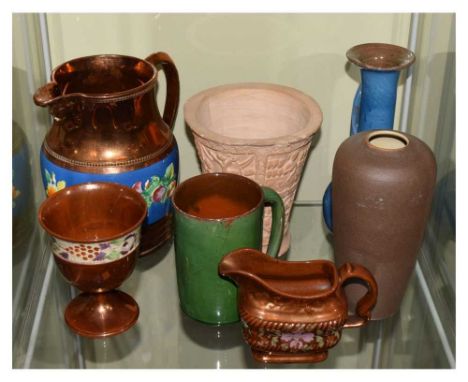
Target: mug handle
277	221
366	303
161	59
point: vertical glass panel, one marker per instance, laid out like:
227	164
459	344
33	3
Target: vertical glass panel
32	265
211	49
432	118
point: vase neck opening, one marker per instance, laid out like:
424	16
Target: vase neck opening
387	140
380	57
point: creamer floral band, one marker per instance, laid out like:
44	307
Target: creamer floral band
102	252
277	340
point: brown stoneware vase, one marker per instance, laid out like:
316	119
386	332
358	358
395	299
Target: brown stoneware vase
95	231
261	131
383	183
107	128
294	311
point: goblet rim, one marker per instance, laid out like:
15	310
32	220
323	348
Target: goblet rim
59	194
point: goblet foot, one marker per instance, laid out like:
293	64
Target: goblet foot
280	357
99	315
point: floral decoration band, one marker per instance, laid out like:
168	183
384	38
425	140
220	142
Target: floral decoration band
277	340
92	253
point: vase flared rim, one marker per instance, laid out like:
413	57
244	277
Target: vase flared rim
381	57
313	124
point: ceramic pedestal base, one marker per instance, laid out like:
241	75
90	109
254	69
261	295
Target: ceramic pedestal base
288	357
99	315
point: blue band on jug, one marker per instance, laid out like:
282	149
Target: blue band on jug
155	183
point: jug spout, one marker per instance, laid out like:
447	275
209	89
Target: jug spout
47	94
240	265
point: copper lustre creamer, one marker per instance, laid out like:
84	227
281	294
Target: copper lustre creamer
294	311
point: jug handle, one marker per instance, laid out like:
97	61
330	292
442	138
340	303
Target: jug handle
365	304
161	59
277	220
355	112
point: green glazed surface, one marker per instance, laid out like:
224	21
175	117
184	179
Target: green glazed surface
200	245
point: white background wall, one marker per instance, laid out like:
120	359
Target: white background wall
305	51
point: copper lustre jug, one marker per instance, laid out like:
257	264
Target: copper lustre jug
294	311
107	127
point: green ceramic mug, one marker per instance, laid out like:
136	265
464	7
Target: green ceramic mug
216	213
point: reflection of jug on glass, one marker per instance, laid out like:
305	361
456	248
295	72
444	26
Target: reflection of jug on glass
23	195
107	127
215	346
294	311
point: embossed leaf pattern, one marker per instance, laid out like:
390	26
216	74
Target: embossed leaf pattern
279	167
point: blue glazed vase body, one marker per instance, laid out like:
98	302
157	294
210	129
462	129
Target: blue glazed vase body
375	99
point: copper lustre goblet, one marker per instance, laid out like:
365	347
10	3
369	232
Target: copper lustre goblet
95	230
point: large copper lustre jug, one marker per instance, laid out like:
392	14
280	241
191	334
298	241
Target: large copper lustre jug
107	127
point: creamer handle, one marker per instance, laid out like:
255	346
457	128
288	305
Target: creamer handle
163	60
365	304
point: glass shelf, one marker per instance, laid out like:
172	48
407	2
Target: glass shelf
165	337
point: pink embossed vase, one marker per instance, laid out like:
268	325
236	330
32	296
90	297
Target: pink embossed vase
261	131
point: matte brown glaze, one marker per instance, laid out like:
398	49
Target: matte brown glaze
294	311
106	120
96	215
379	56
383	183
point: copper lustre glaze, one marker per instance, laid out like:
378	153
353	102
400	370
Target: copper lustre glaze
95	233
294	311
107	127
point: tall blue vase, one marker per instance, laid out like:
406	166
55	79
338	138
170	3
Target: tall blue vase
375	99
